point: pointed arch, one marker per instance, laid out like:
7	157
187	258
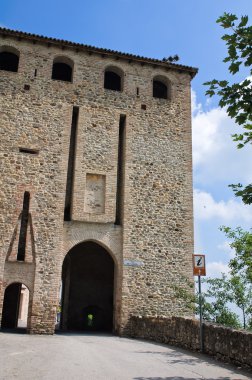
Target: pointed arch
88	273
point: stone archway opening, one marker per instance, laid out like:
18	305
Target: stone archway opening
15	306
87	289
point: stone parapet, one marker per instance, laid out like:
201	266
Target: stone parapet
226	344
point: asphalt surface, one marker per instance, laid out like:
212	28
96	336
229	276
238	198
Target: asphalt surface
104	357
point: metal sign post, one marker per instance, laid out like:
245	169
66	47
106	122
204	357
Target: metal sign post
199	269
200	311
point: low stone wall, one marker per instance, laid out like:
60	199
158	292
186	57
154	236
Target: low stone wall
224	343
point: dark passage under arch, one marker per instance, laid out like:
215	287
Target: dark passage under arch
15	306
88	287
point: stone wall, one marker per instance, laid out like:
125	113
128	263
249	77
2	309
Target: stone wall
226	344
152	247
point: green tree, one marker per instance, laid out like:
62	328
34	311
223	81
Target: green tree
241	243
249	325
241	296
219	295
237	97
216	302
241	270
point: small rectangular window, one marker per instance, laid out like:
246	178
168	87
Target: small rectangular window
28	151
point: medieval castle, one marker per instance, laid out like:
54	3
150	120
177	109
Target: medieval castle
96	216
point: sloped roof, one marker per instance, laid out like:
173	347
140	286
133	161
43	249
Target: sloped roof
88	48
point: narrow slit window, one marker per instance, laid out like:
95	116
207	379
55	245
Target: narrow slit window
71	163
23	227
120	170
28	151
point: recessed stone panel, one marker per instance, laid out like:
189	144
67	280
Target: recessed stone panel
95	194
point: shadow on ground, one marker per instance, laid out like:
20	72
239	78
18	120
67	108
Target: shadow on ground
84	333
183	378
18	330
190	358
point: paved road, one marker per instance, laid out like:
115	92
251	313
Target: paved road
101	357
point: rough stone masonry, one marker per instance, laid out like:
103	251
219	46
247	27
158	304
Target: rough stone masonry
96	184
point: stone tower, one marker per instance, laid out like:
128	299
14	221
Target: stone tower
96	184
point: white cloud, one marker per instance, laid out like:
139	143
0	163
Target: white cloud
207	141
205	208
215	155
225	247
196	107
216	268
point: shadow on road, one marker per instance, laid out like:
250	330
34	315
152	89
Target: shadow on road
181	356
18	330
84	333
183	378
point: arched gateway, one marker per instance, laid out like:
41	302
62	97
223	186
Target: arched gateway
15	306
88	288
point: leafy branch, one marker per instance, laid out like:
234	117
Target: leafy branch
236	97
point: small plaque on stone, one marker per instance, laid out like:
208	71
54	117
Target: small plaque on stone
132	263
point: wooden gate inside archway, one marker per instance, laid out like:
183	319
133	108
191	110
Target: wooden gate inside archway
88	288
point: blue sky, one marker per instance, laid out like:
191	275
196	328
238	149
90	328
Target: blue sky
159	28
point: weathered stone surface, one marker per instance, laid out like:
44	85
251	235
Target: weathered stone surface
157	215
95	193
